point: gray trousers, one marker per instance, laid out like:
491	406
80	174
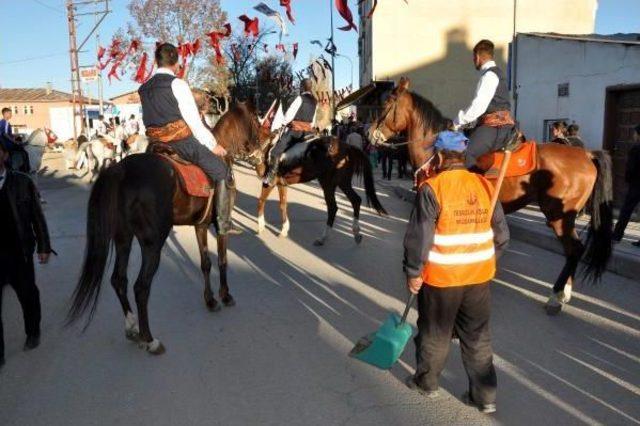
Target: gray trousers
194	152
484	139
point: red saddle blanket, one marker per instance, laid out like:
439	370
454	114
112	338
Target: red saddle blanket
523	161
191	177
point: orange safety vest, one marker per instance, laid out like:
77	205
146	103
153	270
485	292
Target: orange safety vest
463	251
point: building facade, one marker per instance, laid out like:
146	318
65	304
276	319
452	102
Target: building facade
593	81
431	41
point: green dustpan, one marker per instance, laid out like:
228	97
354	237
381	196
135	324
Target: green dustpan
383	347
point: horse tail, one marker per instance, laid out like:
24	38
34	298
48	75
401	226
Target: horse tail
362	168
102	217
598	247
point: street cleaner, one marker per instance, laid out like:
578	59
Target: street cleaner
489	109
451	246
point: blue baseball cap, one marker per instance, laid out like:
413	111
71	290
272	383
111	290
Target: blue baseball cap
451	141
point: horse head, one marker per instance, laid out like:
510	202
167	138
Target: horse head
239	131
396	114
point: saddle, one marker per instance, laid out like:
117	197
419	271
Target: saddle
191	178
523	161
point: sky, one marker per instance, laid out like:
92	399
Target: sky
34	41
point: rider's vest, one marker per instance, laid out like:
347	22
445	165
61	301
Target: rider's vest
159	105
307	109
463	251
500	101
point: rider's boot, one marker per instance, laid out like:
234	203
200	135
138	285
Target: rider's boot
223	207
233	229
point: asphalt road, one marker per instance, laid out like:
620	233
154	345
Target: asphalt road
279	356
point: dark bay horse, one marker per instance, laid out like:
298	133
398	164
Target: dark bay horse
565	179
333	163
140	197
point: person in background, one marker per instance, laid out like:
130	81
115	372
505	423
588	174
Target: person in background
100	126
13	144
24	229
559	133
131	126
632	177
573	136
451	247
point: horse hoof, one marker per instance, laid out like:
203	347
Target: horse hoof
154	347
319	242
283	235
553	310
228	301
213	305
132	335
358	238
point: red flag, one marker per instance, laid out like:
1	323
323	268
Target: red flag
214	40
295	50
287	6
250	25
113	72
101	52
195	47
141	73
134	46
281	48
345	12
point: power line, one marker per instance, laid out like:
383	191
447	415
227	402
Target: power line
41	3
33	58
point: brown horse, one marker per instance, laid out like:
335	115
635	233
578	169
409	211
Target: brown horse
141	197
565	179
333	163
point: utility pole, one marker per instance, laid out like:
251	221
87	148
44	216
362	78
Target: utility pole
76	90
333	67
74	50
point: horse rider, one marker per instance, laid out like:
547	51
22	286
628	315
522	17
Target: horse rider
131	126
170	115
100	126
450	251
12	145
300	120
490	107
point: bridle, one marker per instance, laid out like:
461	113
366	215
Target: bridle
379	139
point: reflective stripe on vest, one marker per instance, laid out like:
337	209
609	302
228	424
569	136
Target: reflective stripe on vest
463	252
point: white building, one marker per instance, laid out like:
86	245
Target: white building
591	80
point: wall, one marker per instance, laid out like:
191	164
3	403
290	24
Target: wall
588	67
38	119
430	41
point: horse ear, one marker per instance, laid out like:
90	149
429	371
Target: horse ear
403	84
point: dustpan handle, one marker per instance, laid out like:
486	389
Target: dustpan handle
412	297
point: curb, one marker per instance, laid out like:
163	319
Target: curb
622	264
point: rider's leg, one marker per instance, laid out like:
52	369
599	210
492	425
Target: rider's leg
274	157
481	141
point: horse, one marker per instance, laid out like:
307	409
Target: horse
135	144
141	197
333	163
96	154
565	180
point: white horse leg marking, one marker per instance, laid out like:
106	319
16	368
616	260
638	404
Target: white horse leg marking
261	223
154	347
284	233
325	236
355	227
131	328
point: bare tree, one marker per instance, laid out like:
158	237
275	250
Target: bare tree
178	21
274	80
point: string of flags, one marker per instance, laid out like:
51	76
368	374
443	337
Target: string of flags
324	97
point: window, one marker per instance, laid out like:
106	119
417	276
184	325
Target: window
25	109
31	109
15	109
563	90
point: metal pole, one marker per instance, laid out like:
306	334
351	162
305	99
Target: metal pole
333	67
100	95
75	70
514	59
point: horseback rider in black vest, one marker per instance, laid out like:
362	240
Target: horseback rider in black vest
170	115
300	120
490	107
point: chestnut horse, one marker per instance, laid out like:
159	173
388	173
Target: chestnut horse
565	179
333	163
141	197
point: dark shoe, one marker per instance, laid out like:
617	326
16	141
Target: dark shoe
411	384
32	342
483	408
636	244
223	207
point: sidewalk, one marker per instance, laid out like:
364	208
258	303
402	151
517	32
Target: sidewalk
529	225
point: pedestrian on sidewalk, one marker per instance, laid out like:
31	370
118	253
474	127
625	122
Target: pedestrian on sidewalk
451	246
632	177
23	229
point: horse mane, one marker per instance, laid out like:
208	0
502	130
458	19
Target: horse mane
237	126
427	114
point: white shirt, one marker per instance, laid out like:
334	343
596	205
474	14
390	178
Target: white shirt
189	110
3	177
101	128
485	91
293	110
